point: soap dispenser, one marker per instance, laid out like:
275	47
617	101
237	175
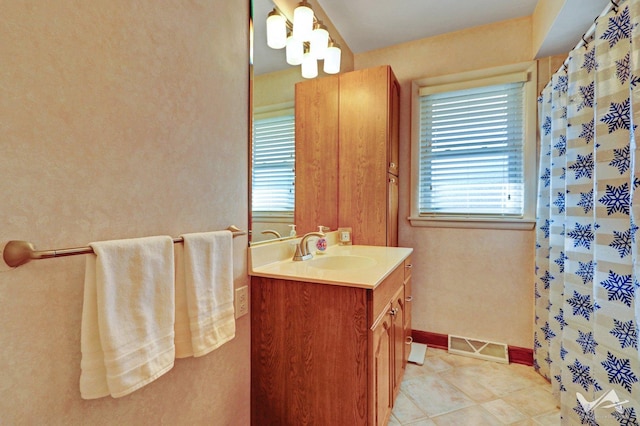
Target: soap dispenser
292	233
321	244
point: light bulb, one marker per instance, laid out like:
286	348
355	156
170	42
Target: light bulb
319	41
303	22
276	30
295	51
309	66
332	59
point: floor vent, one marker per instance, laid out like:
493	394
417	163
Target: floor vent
475	348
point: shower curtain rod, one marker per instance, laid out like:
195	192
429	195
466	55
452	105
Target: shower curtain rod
18	253
583	41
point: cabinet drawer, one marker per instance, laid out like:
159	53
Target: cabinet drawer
382	294
408	266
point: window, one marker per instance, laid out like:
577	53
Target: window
474	153
273	162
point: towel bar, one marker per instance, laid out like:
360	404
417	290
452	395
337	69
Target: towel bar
18	253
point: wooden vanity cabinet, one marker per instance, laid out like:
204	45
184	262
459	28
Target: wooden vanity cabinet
347	133
326	354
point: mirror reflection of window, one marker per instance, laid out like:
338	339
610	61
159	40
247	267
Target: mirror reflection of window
273	173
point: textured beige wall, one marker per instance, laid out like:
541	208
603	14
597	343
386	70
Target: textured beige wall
276	88
118	119
470	282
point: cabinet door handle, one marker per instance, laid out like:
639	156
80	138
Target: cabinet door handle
409	340
409	266
409	299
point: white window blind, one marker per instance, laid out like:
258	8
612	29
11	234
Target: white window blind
273	158
472	152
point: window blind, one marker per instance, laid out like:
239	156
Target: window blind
471	152
273	159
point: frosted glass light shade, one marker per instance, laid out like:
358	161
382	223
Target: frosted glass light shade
276	30
309	66
319	41
332	59
294	51
303	22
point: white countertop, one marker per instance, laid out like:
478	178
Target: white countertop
380	262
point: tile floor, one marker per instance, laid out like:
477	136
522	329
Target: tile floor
459	390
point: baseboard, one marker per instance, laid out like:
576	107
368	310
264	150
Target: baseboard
522	356
435	340
517	355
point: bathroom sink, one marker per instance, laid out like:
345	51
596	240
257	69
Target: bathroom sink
341	262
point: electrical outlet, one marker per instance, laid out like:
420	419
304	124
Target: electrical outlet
241	301
344	235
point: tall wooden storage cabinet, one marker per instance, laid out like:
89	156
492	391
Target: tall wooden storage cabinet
347	127
316	184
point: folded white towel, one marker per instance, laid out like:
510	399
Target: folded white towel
127	335
205	281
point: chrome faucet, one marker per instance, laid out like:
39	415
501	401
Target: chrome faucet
302	251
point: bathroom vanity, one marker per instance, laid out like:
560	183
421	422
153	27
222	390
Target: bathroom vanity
330	336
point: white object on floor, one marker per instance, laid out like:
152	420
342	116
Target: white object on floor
418	352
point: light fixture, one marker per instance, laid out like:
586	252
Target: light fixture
251	41
294	51
276	30
306	40
303	21
332	59
319	40
309	65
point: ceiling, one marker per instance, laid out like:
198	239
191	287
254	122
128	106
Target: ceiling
368	25
373	24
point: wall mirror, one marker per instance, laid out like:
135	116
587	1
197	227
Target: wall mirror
273	81
272	165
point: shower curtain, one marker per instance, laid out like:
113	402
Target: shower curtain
587	281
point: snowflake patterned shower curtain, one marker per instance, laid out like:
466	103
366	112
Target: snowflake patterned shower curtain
587	241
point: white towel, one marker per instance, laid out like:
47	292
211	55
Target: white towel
127	335
182	329
205	284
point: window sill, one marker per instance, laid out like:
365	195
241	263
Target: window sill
471	222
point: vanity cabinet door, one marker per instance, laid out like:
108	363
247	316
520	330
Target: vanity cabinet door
382	340
408	303
387	337
398	311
